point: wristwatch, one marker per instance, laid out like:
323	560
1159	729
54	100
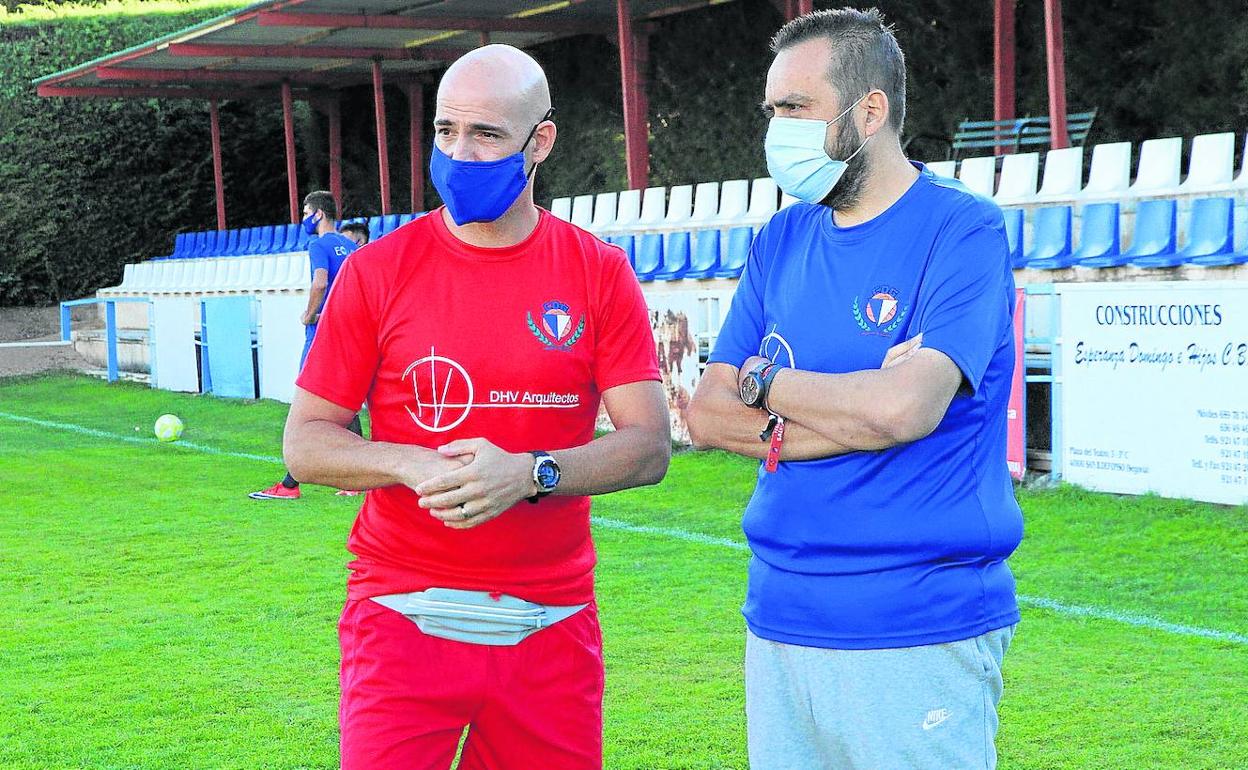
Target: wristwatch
546	474
756	383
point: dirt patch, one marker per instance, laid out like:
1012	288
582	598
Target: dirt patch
34	324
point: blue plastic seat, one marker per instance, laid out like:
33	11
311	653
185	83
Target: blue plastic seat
290	238
649	256
1210	234
392	222
375	228
264	241
1050	235
1098	237
197	243
1014	233
628	243
227	241
1154	235
180	248
675	257
705	259
736	252
244	242
301	239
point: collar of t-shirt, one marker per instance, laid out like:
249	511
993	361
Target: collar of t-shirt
480	254
912	197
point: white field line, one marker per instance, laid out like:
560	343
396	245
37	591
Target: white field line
1039	602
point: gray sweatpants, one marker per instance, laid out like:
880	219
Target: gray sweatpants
932	707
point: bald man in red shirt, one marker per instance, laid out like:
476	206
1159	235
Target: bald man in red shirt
484	337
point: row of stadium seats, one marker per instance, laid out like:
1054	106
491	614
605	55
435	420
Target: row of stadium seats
687	254
734	203
1210	170
245	275
740	202
270	239
1210	238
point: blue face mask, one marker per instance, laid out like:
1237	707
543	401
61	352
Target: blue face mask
796	158
480	190
311	221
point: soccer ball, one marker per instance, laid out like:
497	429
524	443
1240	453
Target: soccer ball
168	427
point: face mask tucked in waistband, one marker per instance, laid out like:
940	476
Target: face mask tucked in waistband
476	617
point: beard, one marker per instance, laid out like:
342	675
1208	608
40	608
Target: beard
848	191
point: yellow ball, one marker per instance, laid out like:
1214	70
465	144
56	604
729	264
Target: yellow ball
168	427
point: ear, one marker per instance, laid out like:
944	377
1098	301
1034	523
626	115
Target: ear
543	140
875	113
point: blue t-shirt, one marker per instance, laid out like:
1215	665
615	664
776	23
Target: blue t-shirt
328	252
904	546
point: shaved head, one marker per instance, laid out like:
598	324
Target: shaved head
500	80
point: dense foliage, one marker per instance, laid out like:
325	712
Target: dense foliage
89	185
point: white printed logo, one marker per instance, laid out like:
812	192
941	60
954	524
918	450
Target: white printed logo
774	345
935	718
444	395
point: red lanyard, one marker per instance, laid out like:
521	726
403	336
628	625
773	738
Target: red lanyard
774	429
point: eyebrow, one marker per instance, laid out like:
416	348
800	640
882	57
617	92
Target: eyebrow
788	100
473	126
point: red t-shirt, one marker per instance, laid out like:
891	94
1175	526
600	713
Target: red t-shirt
447	341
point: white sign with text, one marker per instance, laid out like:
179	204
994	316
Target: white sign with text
1155	388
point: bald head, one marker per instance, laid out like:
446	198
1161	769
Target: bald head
497	79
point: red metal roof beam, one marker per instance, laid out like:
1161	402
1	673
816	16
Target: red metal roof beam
257	77
364	21
205	50
149	92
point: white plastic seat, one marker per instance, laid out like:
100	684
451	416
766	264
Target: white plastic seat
979	175
1019	176
1110	174
1241	179
297	273
562	208
1159	166
604	211
629	212
1211	164
1063	173
705	202
268	273
653	202
141	276
249	276
679	205
787	200
764	197
582	210
127	278
733	202
945	168
195	276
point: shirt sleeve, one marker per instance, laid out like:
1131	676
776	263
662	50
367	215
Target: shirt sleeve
969	304
625	349
318	255
345	353
742	330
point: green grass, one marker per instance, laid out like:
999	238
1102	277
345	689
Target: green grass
154	617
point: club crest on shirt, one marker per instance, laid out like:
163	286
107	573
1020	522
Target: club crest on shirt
882	311
556	329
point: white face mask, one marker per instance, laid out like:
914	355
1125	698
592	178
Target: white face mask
796	158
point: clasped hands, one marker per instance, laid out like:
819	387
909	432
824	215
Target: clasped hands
472	482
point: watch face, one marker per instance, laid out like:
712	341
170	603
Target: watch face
548	474
749	390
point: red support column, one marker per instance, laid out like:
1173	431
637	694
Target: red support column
383	154
1003	64
1057	72
805	6
218	178
636	133
334	108
415	124
292	180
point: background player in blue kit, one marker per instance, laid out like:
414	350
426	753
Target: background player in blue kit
327	251
869	345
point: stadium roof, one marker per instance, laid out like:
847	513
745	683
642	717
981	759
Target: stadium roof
314	44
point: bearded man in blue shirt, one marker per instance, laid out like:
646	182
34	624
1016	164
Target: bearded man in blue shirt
869	347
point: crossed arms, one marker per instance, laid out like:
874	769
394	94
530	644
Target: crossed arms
829	414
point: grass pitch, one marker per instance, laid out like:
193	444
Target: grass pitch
154	617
